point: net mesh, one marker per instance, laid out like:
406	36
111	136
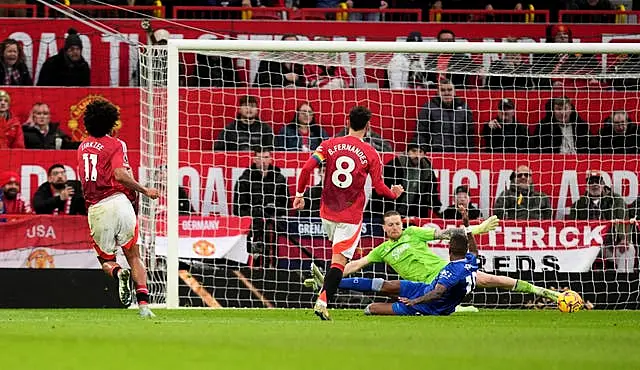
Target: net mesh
547	142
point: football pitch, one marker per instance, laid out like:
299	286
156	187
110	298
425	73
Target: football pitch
296	339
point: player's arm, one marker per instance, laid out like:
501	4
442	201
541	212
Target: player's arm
471	240
122	176
356	265
311	163
436	293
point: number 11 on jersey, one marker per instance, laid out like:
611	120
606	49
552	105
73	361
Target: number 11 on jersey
90	166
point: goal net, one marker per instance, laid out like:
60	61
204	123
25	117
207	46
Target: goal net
542	135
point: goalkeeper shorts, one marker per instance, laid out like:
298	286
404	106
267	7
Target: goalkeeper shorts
113	224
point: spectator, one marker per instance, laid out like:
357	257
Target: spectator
503	134
462	198
303	134
510	72
366	4
578	66
246	131
373	138
280	74
312	198
561	130
521	201
11	202
215	71
11	136
68	67
407	70
618	136
445	123
414	172
327	76
600	203
58	195
41	133
597	5
453	67
13	68
262	193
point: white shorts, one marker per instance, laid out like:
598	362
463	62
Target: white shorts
344	237
113	224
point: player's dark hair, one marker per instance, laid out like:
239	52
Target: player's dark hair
53	167
359	118
390	214
458	243
100	118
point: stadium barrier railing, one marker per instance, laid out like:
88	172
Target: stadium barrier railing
599	16
490	16
105	11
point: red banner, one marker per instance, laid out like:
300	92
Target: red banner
211	177
394	112
114	60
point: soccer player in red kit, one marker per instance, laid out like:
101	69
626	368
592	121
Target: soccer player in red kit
348	162
109	189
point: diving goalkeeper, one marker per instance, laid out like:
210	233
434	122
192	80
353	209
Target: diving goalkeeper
409	254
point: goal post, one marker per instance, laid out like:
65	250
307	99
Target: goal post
267	286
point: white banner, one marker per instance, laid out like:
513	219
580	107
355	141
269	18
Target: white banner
568	260
47	258
230	247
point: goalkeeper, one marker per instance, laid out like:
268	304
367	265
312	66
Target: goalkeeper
408	253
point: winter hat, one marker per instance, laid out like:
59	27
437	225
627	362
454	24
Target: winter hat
73	39
8	176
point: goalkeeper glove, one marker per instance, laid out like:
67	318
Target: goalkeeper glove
487	225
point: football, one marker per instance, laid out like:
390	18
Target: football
570	301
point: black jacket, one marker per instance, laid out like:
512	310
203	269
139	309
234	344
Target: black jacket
548	135
59	70
24	79
271	74
33	138
215	71
311	202
610	143
238	136
259	196
395	174
510	138
445	128
45	203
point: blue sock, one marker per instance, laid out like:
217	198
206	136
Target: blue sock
357	284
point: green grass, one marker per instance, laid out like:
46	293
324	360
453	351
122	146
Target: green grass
295	339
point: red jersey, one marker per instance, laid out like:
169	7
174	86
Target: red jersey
97	160
348	161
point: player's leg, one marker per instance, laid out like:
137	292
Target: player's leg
397	288
127	237
103	226
485	280
139	275
345	239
